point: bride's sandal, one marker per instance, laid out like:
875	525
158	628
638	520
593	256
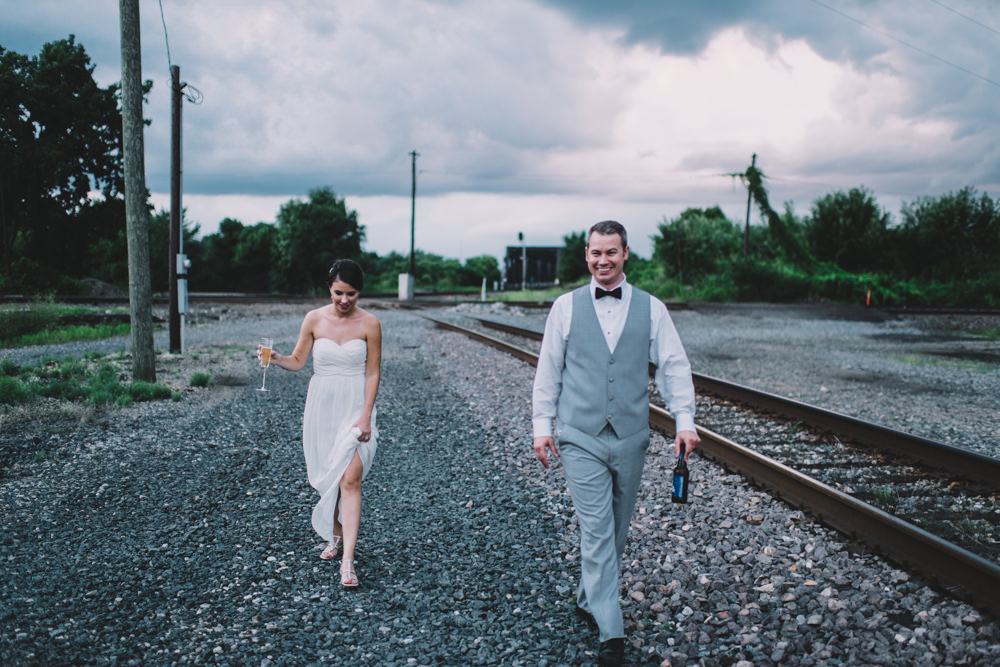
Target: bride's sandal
330	552
348	578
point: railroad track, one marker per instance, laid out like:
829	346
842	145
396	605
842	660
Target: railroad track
967	464
879	477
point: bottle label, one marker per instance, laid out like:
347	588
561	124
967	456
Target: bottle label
679	482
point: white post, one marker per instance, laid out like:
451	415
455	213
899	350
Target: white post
406	290
482	292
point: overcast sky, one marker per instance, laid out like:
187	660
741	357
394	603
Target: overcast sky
545	116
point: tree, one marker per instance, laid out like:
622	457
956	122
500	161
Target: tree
477	268
218	255
60	139
311	236
573	258
252	257
787	240
848	229
954	236
159	248
697	243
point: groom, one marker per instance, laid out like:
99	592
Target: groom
592	378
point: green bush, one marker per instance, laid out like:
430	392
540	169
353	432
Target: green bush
8	368
101	397
13	391
148	391
758	280
201	379
72	380
67	390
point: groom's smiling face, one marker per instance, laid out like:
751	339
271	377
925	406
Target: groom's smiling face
606	255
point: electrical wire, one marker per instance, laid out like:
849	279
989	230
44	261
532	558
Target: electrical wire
164	21
907	44
966	16
191	94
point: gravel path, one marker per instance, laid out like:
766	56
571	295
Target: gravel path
178	532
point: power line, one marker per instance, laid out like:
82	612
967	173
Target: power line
907	44
966	16
164	21
191	94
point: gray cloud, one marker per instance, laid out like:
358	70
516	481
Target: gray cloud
549	98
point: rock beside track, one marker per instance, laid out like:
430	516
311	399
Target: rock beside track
178	533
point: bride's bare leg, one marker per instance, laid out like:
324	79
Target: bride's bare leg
350	504
338	530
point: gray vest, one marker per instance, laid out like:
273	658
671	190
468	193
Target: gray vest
601	387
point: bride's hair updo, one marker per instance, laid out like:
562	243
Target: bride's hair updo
347	271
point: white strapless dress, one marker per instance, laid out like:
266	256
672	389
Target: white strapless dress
334	403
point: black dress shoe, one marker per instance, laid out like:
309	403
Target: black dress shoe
586	617
612	652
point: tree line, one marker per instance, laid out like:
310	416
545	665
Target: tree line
62	215
62	219
943	251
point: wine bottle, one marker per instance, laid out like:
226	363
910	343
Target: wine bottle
681	481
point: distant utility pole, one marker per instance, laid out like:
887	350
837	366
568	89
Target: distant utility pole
176	226
136	214
746	229
524	261
413	216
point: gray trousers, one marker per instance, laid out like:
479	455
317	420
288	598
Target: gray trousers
603	475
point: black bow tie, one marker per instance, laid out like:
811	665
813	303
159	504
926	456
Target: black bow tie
600	293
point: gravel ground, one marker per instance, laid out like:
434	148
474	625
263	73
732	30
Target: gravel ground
178	532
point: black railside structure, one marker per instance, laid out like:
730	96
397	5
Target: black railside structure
960	572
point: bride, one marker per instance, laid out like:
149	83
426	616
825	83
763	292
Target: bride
338	425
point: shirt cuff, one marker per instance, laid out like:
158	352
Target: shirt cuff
684	422
541	427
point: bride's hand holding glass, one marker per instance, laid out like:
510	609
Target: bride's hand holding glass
264	356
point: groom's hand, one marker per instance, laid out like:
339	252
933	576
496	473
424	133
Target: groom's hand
685	442
542	444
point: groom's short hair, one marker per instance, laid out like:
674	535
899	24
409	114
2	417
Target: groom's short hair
609	227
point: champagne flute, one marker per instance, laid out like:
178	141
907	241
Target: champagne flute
265	359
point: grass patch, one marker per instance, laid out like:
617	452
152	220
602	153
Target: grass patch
885	496
988	334
548	294
201	379
97	382
38	323
17	320
921	360
73	333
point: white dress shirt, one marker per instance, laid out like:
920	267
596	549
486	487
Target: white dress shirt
673	372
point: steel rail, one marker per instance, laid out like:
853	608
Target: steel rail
965	463
960	572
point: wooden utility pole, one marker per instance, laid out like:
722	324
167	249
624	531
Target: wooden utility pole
136	214
413	216
176	231
746	229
